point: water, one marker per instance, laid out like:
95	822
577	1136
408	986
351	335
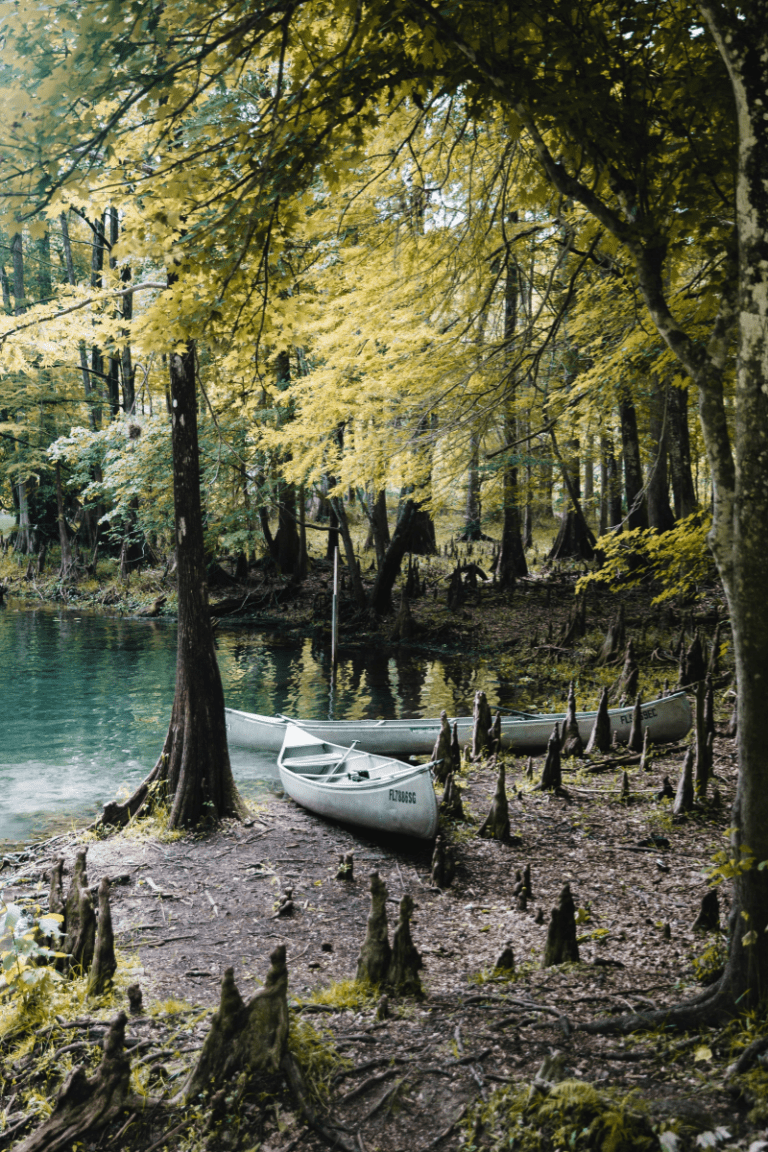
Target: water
85	703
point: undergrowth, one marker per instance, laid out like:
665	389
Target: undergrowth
571	1114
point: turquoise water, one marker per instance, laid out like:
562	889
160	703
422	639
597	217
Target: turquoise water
85	703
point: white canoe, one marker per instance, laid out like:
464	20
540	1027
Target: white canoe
357	787
668	718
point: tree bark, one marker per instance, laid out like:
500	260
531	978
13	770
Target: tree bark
684	493
66	551
380	599
637	510
193	768
660	515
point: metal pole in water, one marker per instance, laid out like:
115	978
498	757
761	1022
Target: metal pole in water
335	609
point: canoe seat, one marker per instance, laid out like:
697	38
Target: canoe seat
317	763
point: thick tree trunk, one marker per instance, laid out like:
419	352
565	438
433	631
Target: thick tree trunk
378	525
679	442
380	599
287	544
194	765
637	510
511	563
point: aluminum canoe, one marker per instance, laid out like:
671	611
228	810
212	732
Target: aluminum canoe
357	787
668	719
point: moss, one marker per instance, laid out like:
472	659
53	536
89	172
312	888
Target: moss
317	1056
571	1114
355	995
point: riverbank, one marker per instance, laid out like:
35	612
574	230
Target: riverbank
440	1072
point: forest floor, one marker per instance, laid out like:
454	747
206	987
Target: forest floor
445	1071
453	1069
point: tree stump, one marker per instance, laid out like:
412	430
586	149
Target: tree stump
441	753
443	862
405	964
451	806
551	777
702	757
625	793
346	868
684	794
244	1037
614	640
600	736
708	919
529	769
496	823
635	742
561	946
481	717
572	744
56	901
527	887
104	963
375	954
85	1105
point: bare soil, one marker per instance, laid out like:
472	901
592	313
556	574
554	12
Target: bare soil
190	908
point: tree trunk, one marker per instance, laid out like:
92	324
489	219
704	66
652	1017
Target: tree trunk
287	544
637	509
194	764
66	551
660	515
679	441
358	591
84	369
378	525
472	529
380	599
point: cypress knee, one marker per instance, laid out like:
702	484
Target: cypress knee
441	753
635	742
375	954
572	742
600	736
561	946
481	717
496	824
104	963
404	967
551	777
684	795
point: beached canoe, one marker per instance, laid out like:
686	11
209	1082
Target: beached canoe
357	787
668	719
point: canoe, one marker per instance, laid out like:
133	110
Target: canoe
668	719
357	787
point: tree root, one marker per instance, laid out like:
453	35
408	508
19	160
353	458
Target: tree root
714	1006
85	1105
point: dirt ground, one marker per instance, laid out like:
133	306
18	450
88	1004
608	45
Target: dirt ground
185	910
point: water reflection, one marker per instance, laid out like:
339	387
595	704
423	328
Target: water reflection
85	702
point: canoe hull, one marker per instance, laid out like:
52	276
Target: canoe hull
395	798
668	719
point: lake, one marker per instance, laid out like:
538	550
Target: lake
85	702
